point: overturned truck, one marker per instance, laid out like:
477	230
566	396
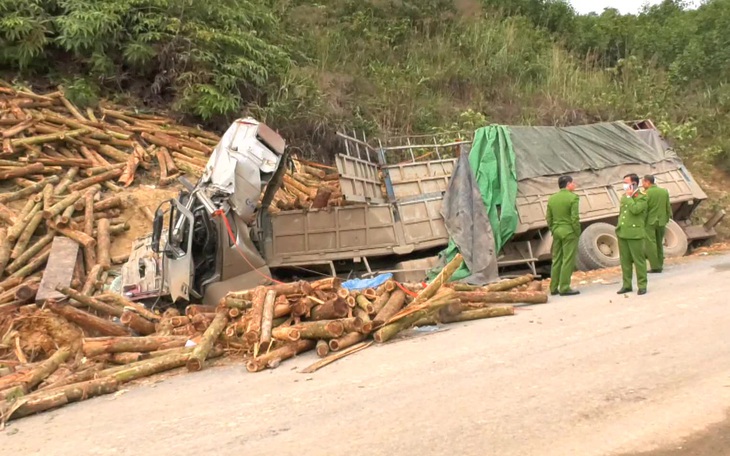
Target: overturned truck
392	218
215	237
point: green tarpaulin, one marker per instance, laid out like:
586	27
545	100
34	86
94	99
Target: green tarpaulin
492	159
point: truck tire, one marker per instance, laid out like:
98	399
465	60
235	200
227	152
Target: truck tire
579	265
598	247
675	241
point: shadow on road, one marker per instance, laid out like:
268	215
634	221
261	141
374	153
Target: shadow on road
713	441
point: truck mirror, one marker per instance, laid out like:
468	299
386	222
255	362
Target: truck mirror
157	229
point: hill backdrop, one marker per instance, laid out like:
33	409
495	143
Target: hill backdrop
388	67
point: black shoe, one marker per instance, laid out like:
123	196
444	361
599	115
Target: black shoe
553	293
570	293
624	291
642	291
655	271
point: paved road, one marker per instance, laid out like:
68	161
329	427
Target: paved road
598	374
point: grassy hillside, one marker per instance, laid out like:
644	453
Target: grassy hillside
389	67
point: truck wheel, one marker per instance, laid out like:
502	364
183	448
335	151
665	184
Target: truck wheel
675	241
579	265
598	247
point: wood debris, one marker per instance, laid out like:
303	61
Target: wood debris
49	354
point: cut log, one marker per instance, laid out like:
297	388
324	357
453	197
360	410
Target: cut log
100	345
286	333
388	331
156	365
26	192
331	309
28	290
431	289
327	284
21	171
253	332
267	320
323	348
505	285
121	301
477	314
103	256
34	264
98	179
200	353
25	236
380	302
365	304
323	329
90	302
499	297
347	340
87	321
274	357
34	377
321	198
60	206
194	309
7	216
133	321
394	304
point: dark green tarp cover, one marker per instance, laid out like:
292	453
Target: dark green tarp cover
492	160
500	156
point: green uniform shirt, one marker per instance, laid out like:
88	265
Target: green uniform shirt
658	207
563	214
632	217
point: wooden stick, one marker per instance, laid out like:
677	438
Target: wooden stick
332	358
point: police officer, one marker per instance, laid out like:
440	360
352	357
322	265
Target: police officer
563	219
659	212
631	232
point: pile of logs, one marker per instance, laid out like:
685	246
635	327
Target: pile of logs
46	135
72	349
309	186
58	168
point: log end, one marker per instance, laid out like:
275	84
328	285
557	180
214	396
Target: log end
194	364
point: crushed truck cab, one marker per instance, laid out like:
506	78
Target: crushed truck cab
200	246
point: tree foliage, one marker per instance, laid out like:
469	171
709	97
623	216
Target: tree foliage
210	57
310	67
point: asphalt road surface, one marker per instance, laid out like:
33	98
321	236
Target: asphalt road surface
597	374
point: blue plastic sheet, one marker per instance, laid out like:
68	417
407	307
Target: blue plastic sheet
361	284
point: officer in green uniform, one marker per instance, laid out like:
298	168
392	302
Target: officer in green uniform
659	212
631	232
563	219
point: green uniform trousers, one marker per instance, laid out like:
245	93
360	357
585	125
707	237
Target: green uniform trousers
564	251
631	252
655	246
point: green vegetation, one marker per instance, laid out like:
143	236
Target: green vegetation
388	66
